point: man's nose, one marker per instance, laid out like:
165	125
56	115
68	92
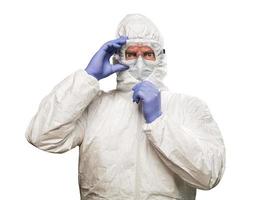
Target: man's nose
139	53
139	60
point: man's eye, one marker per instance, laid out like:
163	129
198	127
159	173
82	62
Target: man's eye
130	55
149	54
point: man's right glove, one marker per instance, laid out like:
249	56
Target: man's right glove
150	97
100	66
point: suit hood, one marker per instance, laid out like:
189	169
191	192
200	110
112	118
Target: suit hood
139	29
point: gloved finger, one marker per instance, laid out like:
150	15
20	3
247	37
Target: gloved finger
135	97
114	45
148	87
150	84
113	48
135	89
139	95
119	67
121	40
137	86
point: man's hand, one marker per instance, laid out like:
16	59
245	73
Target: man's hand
151	100
100	66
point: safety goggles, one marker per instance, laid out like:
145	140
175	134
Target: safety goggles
123	54
134	51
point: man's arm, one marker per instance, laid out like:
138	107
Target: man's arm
192	146
59	124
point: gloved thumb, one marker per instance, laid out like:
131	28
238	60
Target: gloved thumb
119	67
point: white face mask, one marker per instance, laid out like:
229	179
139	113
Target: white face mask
140	68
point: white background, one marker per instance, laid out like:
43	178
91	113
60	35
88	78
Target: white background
212	49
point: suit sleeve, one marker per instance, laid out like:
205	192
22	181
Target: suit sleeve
59	124
192	146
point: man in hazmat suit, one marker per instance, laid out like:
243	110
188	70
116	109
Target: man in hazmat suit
138	141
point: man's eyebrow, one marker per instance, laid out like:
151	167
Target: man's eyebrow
130	51
149	51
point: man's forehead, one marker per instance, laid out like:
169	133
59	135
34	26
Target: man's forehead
139	47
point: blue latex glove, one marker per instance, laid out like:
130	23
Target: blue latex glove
151	99
100	66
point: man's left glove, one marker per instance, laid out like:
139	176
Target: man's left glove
150	97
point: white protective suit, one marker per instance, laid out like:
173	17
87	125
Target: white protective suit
122	156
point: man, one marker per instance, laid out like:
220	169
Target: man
138	141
